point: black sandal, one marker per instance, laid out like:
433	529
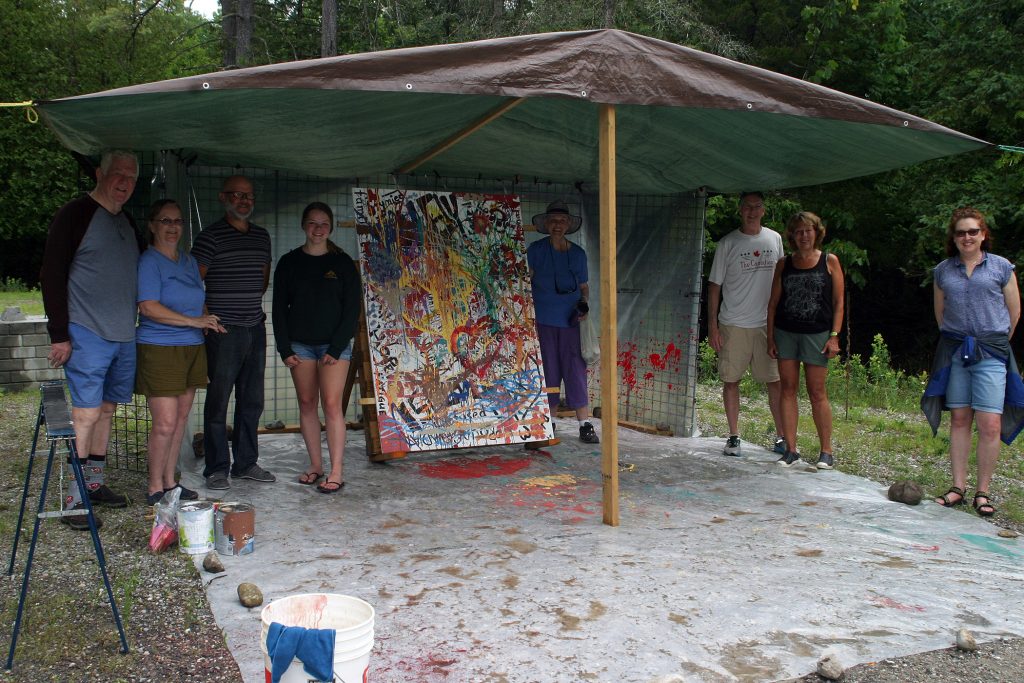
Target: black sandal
944	500
986	509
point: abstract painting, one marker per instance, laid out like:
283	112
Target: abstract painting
453	343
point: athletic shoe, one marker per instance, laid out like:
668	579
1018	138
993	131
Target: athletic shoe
780	445
80	521
256	473
732	445
825	461
105	497
788	458
587	434
154	498
218	481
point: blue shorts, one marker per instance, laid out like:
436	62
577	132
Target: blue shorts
99	370
981	386
317	351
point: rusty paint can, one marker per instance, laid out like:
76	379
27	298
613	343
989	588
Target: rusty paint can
234	528
195	527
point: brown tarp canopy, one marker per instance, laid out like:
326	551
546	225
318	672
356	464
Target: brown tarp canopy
685	119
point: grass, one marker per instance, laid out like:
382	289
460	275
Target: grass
884	444
30	302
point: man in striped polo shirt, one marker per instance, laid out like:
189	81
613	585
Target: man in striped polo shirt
234	261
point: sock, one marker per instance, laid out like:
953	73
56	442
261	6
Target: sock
94	471
74	496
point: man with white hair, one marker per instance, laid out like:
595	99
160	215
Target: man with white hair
88	280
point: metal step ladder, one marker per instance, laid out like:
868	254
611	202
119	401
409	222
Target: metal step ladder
53	413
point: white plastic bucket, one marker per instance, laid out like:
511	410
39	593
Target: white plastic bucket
351	619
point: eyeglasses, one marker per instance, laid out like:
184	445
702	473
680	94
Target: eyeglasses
168	222
960	234
239	196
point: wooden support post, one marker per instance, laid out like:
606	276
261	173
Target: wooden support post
609	319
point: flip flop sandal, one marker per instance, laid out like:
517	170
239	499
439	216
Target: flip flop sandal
310	478
330	486
986	509
947	503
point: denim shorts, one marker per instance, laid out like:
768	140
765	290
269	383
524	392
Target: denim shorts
317	351
99	370
981	386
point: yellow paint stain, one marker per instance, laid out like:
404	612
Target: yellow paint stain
550	481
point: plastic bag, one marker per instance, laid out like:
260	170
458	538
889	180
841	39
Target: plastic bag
165	522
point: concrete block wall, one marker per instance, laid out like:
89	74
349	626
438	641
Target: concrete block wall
24	345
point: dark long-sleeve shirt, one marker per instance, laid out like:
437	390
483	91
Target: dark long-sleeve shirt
316	301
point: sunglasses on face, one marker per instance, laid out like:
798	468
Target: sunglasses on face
973	232
239	196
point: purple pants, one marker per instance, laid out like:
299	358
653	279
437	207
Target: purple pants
563	362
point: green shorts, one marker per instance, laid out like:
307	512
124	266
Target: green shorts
805	348
169	370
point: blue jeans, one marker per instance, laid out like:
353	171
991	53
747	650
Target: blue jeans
235	360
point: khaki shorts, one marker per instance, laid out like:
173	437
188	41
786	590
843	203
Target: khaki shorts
169	370
743	348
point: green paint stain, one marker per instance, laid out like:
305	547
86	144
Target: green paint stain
990	544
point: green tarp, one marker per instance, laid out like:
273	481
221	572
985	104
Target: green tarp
685	119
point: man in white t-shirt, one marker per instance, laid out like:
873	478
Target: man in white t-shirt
739	287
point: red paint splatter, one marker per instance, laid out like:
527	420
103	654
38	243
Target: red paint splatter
648	375
469	468
626	360
882	601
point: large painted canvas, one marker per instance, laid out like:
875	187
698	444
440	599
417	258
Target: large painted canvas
453	343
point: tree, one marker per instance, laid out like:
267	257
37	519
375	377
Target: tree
95	45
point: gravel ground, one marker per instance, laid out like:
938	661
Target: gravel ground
68	634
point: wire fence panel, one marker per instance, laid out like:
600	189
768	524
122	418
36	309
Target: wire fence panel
660	241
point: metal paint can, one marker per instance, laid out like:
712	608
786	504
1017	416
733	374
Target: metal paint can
234	528
195	528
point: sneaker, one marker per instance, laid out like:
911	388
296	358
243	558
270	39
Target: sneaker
256	473
788	458
154	498
186	494
732	445
825	461
107	498
780	445
587	434
80	521
218	481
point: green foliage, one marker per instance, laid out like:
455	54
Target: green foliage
707	363
12	284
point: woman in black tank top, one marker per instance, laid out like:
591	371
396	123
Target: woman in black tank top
805	315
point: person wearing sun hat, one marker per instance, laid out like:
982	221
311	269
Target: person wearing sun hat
558	276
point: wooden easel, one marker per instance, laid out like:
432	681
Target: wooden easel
359	370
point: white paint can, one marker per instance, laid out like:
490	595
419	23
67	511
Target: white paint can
195	527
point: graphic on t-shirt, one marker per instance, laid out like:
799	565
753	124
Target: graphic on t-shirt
757	259
803	300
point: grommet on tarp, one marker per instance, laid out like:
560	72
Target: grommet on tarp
906	124
408	86
750	105
583	93
206	86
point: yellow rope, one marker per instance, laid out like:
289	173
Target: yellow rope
30	112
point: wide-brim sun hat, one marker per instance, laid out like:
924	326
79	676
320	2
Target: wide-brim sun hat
557	208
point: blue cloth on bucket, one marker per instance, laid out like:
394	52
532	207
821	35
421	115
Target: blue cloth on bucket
314	647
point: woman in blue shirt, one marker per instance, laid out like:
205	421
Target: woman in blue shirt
977	306
169	341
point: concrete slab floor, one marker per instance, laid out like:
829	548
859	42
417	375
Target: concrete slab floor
493	564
